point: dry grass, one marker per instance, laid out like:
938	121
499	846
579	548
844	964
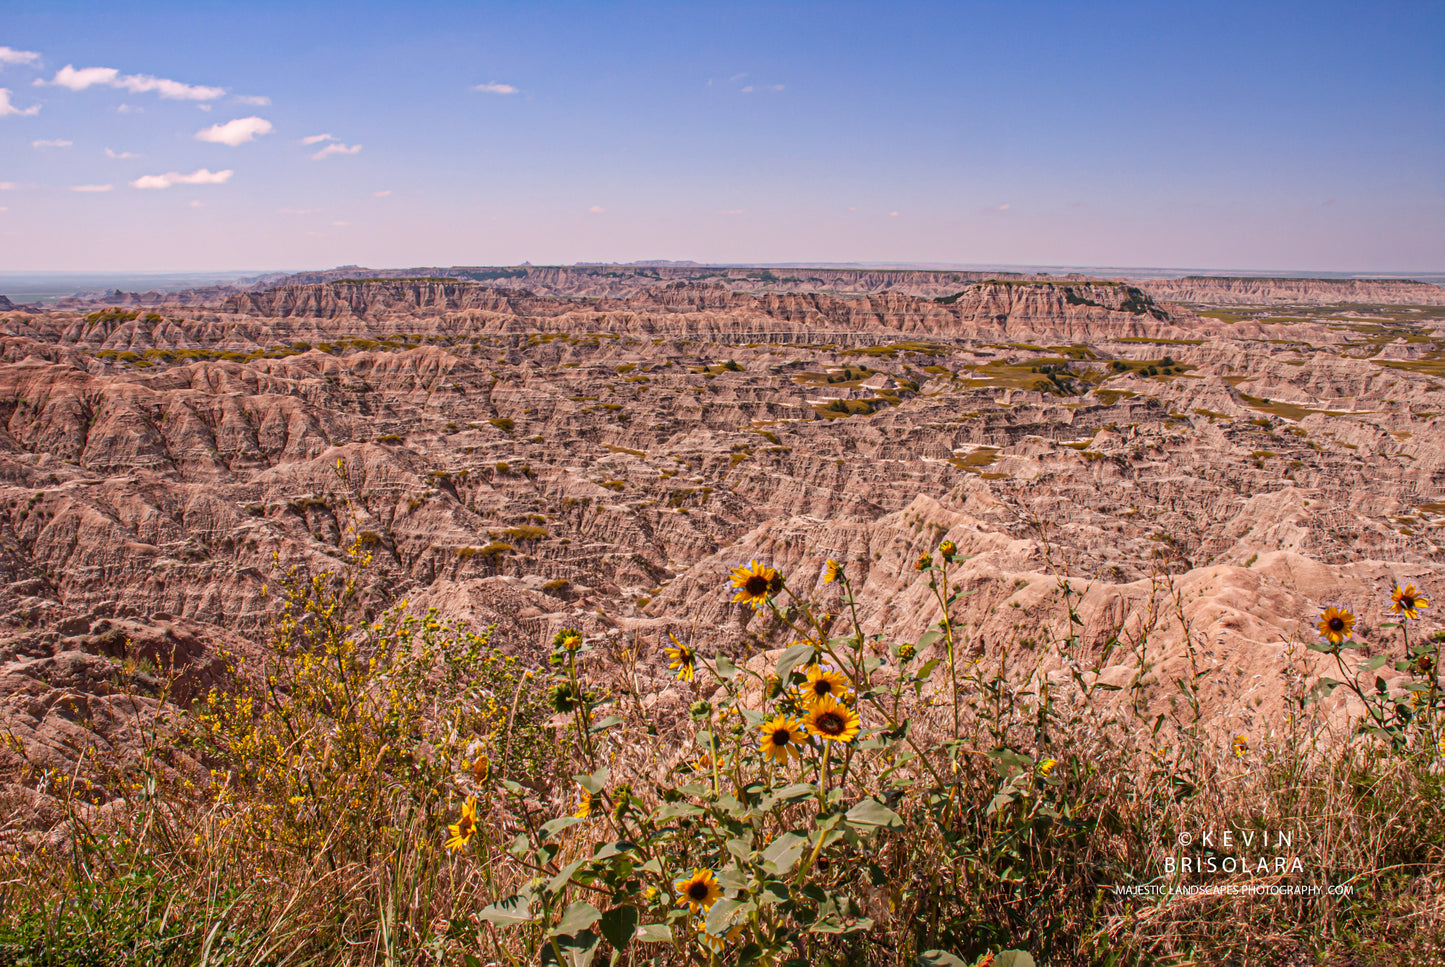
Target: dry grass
995	800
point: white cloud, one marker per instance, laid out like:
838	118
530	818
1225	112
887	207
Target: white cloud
597	210
381	194
773	88
7	109
196	204
235	132
120	155
255	100
317	138
748	89
51	143
9	55
340	224
79	80
127	109
892	214
738	77
494	87
90	187
7	186
337	148
201	176
997	208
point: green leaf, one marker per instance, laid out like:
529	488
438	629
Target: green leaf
596	782
1379	661
508	912
563	877
783	852
554	826
927	638
722	914
619	925
1326	647
1380	685
872	813
673	810
792	658
618	848
733	878
939	958
602	725
794	792
469	961
1013	958
726	670
654	933
578	916
740	849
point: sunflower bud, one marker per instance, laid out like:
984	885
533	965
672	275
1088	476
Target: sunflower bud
947	549
925	561
701	709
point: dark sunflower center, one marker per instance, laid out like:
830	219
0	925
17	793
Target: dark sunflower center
822	688
782	737
830	723
697	890
1407	602
1337	624
756	585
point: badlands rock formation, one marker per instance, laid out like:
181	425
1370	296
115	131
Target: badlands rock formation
600	448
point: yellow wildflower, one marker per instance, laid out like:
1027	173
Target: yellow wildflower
699	891
681	659
1408	602
822	683
832	571
1335	624
833	721
781	738
1047	766
1241	745
463	829
755	583
584	806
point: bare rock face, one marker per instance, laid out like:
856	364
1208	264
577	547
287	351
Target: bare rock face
1258	291
598	448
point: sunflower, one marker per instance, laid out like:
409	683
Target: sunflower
716	942
699	891
1408	601
781	738
755	583
1047	766
462	830
823	683
832	571
1241	745
1336	624
584	806
832	721
681	659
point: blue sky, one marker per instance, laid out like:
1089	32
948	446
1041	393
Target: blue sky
1208	135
